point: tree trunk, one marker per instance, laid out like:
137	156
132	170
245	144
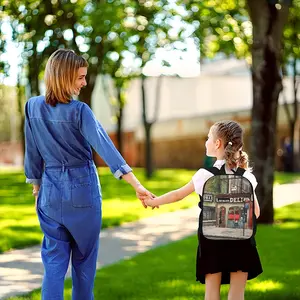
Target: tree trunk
120	120
268	23
295	137
20	96
293	156
148	150
288	152
33	74
147	127
297	146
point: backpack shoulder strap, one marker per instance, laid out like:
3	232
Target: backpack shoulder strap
240	171
213	170
222	171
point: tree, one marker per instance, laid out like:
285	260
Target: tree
148	123
116	68
89	28
21	105
94	29
220	27
39	27
151	27
117	100
291	51
4	66
224	26
268	19
102	26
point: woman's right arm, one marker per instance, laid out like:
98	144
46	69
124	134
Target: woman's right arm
33	162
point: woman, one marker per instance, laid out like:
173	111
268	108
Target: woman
59	134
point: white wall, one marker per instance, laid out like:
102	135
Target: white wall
183	100
101	103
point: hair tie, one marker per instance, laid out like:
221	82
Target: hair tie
230	143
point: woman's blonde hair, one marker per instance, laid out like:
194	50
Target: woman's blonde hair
60	75
231	134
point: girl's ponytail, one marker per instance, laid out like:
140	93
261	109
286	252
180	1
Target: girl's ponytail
236	158
243	160
230	156
231	133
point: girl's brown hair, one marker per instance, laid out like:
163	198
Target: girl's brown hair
231	134
60	75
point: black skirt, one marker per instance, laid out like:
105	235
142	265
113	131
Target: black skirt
214	256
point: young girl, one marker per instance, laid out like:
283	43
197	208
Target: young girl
218	262
59	134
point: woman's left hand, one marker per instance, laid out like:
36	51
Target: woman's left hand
35	193
36	198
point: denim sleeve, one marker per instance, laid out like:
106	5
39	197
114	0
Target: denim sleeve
97	137
33	162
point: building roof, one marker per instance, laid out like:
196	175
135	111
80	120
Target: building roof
227	66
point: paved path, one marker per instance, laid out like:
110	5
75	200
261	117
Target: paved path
21	271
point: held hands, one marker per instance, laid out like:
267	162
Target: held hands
149	202
143	194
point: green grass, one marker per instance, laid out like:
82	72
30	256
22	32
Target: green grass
282	178
168	272
19	225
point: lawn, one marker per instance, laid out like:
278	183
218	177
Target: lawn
19	225
167	272
282	178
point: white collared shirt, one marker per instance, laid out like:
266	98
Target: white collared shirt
202	175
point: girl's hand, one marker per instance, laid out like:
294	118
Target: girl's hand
149	202
144	194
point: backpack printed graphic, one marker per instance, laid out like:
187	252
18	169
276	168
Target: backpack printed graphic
228	206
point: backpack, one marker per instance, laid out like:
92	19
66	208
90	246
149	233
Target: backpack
227	206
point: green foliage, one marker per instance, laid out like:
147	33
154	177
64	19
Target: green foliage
291	44
104	32
225	27
221	26
4	66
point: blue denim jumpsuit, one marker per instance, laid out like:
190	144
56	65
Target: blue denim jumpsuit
58	157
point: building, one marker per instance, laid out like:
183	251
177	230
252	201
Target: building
187	109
